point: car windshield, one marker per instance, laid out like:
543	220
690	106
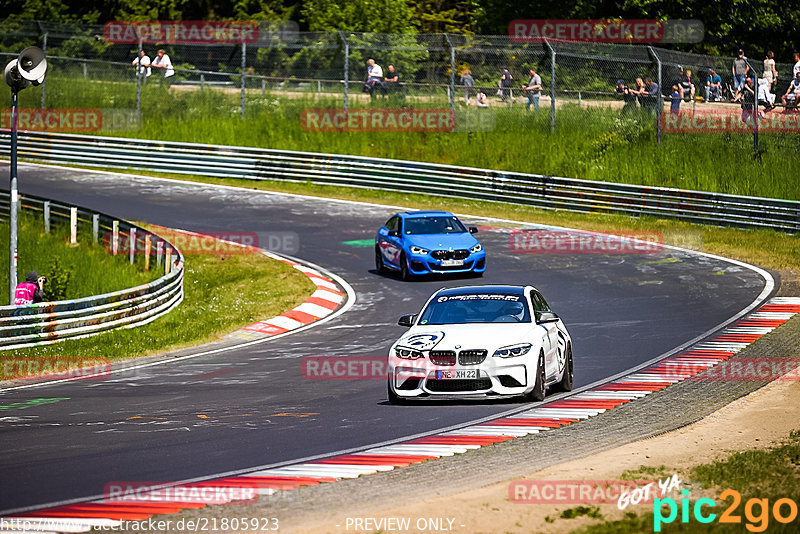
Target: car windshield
434	225
476	308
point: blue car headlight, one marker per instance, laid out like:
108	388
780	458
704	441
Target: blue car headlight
417	250
407	353
476	248
513	350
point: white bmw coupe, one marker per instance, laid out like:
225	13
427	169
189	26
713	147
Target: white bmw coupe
481	341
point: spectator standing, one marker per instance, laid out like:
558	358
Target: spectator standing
627	96
505	84
748	99
30	291
713	85
639	91
142	64
468	82
675	100
770	74
739	70
792	93
652	98
687	84
162	61
533	90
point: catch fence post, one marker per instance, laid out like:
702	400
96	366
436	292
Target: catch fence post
95	227
132	245
73	226
46	210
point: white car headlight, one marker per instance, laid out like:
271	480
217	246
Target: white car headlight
513	350
417	250
408	354
476	248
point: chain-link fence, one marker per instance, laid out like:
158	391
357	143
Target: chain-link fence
433	70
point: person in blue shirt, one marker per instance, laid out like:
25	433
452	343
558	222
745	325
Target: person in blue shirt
675	99
713	85
653	98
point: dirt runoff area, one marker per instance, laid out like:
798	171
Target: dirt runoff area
758	420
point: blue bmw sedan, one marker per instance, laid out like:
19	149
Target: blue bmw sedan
428	242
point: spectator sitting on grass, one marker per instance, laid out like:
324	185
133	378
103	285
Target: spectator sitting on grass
675	99
687	84
792	93
713	85
468	82
481	101
739	70
31	290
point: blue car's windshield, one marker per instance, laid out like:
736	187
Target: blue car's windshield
476	308
433	225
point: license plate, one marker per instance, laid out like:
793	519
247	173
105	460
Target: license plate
452	263
459	374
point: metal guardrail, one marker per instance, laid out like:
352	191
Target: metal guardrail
547	192
49	322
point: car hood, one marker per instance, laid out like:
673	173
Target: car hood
468	336
442	241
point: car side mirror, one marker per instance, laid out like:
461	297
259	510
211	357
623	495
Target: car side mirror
393	233
473	229
407	320
547	317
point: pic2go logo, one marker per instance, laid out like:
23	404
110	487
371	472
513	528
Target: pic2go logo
756	511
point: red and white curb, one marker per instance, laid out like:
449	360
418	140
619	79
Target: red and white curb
325	300
556	414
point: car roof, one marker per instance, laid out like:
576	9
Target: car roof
491	289
425	213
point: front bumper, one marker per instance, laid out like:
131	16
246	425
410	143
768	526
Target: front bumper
421	378
425	264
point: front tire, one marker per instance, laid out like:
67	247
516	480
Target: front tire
405	275
565	384
538	392
393	397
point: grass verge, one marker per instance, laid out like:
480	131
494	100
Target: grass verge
765	475
595	143
72	271
221	294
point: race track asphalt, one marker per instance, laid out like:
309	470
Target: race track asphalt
143	425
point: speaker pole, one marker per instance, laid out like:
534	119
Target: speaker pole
12	238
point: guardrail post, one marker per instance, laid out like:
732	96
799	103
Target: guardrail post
159	252
147	245
114	238
319	90
132	245
47	216
85	72
202	81
263	87
168	261
95	227
73	226
579	99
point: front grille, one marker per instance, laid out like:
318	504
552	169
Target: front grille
443	357
450	254
471	357
459	385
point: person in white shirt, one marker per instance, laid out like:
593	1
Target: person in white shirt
796	68
142	64
162	61
374	77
